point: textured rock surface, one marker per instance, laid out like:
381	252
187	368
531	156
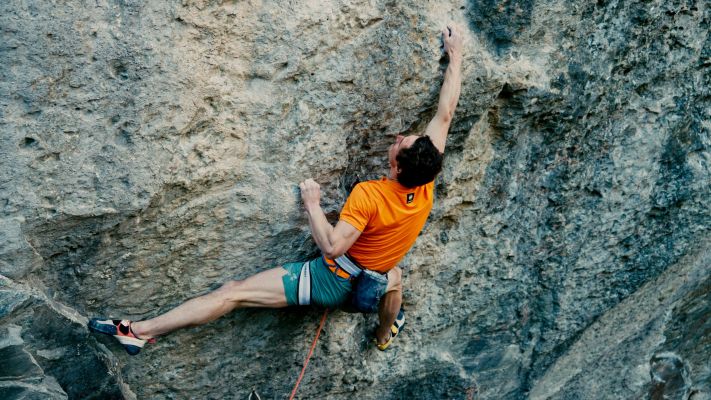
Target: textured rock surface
151	150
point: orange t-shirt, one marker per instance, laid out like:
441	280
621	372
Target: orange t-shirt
390	217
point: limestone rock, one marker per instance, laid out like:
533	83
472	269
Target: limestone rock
152	150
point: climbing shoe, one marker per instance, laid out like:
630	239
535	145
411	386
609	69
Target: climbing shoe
394	330
121	330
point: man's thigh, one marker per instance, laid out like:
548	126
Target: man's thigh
264	289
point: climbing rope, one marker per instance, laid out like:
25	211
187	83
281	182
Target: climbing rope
308	357
472	391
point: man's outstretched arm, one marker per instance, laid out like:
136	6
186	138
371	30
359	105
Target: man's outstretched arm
333	242
449	94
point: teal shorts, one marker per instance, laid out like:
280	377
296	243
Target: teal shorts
327	288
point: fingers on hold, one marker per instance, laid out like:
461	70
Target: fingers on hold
308	185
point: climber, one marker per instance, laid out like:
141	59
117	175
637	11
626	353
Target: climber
378	224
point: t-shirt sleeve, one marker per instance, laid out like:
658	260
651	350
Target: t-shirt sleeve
358	209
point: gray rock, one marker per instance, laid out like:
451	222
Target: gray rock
152	150
48	353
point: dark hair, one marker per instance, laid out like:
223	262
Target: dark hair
419	163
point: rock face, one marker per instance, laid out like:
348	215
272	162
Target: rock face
152	150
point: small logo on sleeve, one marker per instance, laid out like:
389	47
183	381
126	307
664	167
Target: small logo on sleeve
410	197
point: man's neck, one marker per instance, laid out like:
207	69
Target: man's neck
392	175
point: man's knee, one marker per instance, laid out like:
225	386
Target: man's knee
395	279
230	291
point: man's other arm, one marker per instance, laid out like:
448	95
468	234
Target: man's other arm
438	128
333	242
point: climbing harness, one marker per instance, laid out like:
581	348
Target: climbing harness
368	286
304	291
346	264
308	357
341	266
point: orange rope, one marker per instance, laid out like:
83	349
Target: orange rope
308	357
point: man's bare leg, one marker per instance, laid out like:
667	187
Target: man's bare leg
264	289
389	305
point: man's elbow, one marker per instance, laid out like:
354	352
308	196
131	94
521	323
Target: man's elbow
334	251
445	116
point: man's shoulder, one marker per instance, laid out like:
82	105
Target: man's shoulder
371	183
371	187
383	185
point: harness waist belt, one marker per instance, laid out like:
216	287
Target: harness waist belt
349	266
339	271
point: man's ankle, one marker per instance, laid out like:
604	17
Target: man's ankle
382	335
139	330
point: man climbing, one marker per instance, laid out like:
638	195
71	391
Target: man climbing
379	222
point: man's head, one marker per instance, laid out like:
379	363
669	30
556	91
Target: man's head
414	160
